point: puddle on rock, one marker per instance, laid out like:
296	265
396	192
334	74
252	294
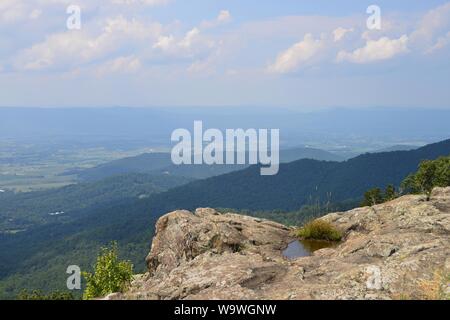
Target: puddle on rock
305	248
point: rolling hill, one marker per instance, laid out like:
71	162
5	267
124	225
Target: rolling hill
38	257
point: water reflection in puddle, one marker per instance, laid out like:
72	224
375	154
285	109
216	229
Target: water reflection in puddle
305	248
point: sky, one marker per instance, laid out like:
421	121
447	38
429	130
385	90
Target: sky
276	53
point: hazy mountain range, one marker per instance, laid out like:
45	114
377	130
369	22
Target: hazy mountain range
339	127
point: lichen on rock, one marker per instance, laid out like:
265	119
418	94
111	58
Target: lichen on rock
388	252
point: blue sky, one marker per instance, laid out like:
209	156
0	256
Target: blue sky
289	53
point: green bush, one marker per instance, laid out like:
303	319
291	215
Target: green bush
431	174
376	196
110	275
390	193
320	230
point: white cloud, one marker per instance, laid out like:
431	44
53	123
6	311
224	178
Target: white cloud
432	24
190	38
78	47
440	44
376	50
191	45
297	55
223	18
12	11
107	43
142	2
208	66
128	64
340	33
36	13
104	40
164	43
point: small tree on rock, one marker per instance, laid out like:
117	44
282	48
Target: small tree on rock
390	193
373	197
110	275
431	174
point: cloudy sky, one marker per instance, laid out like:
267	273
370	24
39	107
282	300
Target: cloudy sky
289	53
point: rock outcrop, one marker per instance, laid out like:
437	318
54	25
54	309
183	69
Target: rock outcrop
396	250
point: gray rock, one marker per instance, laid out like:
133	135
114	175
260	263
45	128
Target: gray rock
389	250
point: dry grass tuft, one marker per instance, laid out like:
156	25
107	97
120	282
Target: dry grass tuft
319	230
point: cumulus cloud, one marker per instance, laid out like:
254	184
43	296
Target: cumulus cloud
130	39
78	47
432	24
105	39
191	44
400	35
376	50
298	55
340	33
224	17
190	38
165	43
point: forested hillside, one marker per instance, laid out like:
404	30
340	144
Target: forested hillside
19	211
38	257
301	182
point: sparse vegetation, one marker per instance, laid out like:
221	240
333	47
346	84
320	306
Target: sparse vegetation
320	230
110	275
431	174
377	196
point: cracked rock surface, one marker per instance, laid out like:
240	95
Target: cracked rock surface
388	252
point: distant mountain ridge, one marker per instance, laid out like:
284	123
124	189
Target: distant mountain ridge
399	147
157	163
301	182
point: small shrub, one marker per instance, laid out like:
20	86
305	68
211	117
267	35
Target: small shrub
372	197
320	230
110	275
377	196
431	174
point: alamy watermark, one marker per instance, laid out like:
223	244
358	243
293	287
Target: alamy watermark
74	20
74	280
235	146
374	281
374	20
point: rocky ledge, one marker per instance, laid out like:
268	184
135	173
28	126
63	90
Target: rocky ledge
396	250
